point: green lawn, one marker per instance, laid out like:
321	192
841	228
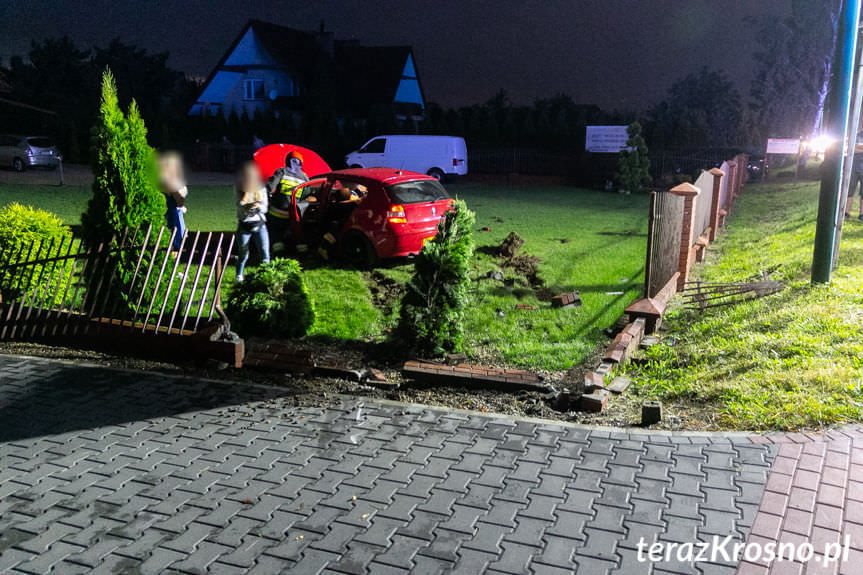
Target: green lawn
787	361
588	241
210	208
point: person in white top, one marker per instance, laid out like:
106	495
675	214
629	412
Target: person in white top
252	204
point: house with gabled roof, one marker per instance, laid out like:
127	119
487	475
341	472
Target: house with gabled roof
272	68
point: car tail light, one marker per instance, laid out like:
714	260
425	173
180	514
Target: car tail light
397	215
454	162
29	151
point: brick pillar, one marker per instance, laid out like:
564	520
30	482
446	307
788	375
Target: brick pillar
714	204
689	193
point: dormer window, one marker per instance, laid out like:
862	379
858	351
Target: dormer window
253	89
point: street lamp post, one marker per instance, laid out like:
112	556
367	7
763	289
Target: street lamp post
839	111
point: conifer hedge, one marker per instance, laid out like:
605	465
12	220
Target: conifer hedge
126	195
432	309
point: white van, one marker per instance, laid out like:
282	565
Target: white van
437	156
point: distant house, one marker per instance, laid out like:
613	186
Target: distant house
283	70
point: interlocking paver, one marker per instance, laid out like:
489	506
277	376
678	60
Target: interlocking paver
528	531
445	544
514	558
47	559
159	560
401	551
147	473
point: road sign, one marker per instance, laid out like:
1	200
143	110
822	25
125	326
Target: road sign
606	139
783	146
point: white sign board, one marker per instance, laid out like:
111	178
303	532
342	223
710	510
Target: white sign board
783	146
606	139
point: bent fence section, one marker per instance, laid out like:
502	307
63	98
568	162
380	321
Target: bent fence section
131	294
682	221
663	240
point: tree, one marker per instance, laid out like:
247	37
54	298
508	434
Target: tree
147	78
794	63
126	195
703	109
57	75
433	306
633	165
125	188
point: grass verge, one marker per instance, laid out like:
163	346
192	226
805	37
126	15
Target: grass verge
788	361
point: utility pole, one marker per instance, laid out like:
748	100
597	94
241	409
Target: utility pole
839	112
848	168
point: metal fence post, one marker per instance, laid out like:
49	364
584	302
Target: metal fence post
651	225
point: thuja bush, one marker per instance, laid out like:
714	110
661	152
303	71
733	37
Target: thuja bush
432	309
27	233
633	163
126	195
272	301
125	184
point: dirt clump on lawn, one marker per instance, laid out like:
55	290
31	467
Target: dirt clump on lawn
522	263
510	246
386	292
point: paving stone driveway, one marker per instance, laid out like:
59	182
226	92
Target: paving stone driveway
119	472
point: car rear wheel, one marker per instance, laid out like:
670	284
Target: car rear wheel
437	174
18	164
358	251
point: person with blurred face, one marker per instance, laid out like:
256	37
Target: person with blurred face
282	186
173	184
252	204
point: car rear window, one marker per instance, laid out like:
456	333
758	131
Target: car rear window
417	192
40	142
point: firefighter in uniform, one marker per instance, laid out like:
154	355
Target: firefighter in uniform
283	184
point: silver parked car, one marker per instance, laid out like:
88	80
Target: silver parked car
22	152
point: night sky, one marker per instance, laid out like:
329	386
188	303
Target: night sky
618	54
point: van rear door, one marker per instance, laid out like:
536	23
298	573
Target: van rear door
459	156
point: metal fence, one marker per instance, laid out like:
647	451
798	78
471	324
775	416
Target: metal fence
135	284
685	162
534	161
528	161
665	212
217	157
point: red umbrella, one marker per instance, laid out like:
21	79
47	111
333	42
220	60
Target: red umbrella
272	157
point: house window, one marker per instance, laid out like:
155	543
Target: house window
253	89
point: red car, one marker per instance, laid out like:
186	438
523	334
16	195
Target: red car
368	214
